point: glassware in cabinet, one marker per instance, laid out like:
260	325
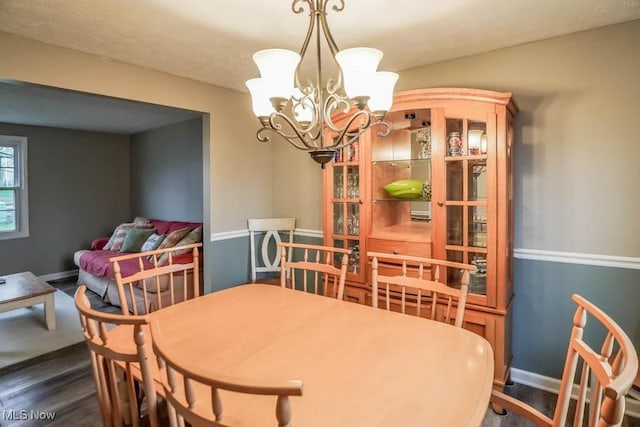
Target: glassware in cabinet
467	204
345	213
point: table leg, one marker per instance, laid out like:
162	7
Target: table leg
50	311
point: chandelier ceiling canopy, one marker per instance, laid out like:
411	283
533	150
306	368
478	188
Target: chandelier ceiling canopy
299	110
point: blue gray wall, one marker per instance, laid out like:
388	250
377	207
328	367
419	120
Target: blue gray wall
543	310
167	172
78	190
234	254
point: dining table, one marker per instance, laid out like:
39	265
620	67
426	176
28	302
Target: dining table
360	366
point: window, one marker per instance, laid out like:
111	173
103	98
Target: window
14	210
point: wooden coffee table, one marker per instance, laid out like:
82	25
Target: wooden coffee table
25	290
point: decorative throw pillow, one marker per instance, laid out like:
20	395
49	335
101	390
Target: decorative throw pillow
194	236
117	238
141	220
152	242
174	237
109	244
134	239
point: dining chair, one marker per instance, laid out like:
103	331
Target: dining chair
606	375
114	391
271	230
321	269
635	389
160	278
185	389
407	290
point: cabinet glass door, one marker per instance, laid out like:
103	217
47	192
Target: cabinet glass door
466	153
346	199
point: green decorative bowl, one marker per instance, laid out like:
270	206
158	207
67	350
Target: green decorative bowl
407	189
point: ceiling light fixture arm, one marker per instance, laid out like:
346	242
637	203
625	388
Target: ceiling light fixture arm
300	109
297	138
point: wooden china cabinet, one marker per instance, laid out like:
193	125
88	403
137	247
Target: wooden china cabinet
458	144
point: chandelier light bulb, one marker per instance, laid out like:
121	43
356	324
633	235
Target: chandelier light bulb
358	65
262	107
381	95
277	69
302	108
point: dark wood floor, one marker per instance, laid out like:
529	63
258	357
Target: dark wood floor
61	382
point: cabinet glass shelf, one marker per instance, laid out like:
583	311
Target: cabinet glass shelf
402	162
390	199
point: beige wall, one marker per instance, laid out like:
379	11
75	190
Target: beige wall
297	185
238	168
577	144
577	140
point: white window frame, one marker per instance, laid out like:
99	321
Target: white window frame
22	193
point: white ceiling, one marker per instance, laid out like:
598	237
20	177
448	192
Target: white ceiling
212	40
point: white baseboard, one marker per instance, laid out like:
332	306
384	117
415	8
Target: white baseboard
60	275
552	385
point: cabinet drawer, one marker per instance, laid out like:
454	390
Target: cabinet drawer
355	294
421	249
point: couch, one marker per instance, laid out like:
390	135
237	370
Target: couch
96	272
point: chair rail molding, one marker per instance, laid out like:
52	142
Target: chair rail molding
632	263
235	234
227	235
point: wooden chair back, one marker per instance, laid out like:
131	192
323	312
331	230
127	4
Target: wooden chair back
271	228
185	389
606	375
181	280
321	269
114	391
416	291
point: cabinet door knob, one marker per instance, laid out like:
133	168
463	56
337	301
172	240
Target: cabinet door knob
440	203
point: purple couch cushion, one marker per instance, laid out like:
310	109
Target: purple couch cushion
97	263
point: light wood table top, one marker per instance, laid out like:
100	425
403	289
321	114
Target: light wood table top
22	286
360	366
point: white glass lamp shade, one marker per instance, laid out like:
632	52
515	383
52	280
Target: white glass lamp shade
381	95
262	106
303	108
358	66
277	69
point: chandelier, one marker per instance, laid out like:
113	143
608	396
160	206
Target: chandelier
299	110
